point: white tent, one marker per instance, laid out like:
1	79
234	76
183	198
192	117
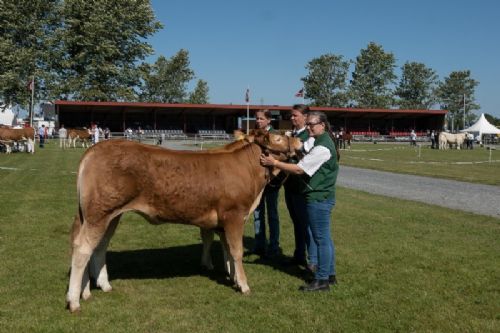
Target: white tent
482	126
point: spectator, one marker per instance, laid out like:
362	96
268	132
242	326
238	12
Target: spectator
413	138
63	134
107	133
41	134
433	140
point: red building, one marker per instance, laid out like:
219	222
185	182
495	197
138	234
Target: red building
190	118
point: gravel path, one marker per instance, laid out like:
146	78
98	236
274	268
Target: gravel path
475	198
469	197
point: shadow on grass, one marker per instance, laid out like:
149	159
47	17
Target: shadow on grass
183	261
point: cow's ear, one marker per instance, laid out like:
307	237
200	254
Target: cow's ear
238	135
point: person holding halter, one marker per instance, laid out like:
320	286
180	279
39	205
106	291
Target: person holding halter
318	169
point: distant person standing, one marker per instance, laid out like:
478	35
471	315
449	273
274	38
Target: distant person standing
107	133
413	138
470	140
41	134
433	140
63	134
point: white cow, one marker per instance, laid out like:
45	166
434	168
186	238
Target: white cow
446	138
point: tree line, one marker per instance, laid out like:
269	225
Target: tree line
374	84
96	51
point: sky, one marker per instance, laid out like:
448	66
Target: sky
266	44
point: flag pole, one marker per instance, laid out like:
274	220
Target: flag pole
303	94
247	99
32	100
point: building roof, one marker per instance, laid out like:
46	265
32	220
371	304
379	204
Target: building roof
233	108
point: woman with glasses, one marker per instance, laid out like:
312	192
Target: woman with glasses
318	169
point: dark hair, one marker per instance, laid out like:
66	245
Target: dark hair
304	109
328	128
266	112
322	118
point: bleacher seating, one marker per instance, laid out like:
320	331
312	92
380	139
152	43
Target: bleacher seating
167	133
213	134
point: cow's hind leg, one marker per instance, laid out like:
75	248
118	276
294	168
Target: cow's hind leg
234	236
84	243
207	238
98	268
228	260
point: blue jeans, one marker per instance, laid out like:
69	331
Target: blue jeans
269	199
318	213
296	204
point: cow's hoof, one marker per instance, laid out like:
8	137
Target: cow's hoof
245	291
73	308
86	295
107	288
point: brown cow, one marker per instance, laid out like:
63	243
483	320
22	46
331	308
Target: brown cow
83	135
208	190
10	135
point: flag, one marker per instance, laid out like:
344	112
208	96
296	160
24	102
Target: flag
247	96
31	85
300	93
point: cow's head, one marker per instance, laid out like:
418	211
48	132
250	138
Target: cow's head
282	147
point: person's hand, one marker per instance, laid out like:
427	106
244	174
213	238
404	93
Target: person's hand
267	160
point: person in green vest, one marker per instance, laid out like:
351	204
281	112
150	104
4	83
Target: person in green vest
318	169
270	200
294	198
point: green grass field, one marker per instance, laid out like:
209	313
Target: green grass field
465	165
402	266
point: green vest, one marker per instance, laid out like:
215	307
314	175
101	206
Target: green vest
294	183
321	185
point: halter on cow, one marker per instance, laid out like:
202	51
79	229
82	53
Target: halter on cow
208	190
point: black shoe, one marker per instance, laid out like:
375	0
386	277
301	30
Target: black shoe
316	285
332	280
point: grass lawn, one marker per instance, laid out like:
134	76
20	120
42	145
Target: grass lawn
402	266
464	165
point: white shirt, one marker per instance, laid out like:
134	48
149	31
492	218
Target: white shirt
63	133
314	158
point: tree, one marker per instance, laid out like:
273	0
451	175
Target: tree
97	48
166	80
492	119
456	94
372	76
326	82
24	29
199	94
416	87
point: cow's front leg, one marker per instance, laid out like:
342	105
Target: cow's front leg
234	237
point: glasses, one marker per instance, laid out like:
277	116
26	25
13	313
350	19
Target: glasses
313	124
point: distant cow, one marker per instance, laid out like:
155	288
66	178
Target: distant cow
9	136
75	134
446	138
216	190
